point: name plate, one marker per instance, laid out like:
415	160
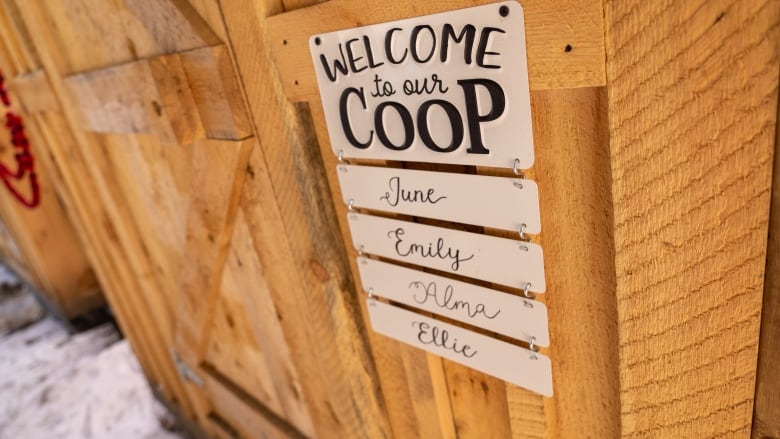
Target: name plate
441	88
504	203
517	365
496	311
499	260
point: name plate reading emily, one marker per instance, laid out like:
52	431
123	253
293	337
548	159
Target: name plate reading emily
499	260
464	198
442	88
502	360
496	311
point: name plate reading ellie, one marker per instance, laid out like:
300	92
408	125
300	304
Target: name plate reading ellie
504	203
517	365
442	88
499	260
496	311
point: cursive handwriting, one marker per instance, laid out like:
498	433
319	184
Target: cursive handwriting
444	299
398	193
429	252
440	337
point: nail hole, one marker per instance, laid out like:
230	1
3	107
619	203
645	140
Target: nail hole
503	11
284	42
567	48
317	41
296	82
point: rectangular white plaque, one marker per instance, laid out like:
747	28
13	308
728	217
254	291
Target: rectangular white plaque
517	365
442	88
499	260
500	202
496	311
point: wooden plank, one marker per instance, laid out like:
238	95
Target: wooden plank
289	210
252	348
766	413
143	97
573	24
217	176
217	93
578	251
34	92
98	33
246	415
691	146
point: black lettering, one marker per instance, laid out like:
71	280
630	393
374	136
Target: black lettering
389	47
344	116
455	123
406	119
351	57
370	54
338	65
484	39
473	118
467	34
414	43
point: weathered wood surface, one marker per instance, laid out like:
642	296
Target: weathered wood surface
693	104
43	246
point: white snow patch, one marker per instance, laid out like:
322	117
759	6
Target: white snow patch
89	385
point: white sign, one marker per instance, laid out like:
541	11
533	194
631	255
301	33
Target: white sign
496	311
442	88
499	260
517	365
500	202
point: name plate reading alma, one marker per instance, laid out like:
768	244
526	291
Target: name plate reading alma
500	202
496	311
517	365
442	88
489	258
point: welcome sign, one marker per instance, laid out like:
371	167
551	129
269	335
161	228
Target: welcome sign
446	88
443	88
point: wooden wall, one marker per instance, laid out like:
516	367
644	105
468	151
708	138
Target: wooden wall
190	148
38	240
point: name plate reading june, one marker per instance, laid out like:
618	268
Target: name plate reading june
517	365
496	311
499	260
464	198
441	88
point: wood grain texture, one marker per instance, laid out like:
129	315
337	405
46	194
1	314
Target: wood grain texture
143	97
693	100
577	23
217	178
248	343
216	92
98	33
46	249
289	213
766	413
573	172
34	92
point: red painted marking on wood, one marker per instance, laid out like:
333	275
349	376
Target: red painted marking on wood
25	163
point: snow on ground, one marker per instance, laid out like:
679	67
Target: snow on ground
71	386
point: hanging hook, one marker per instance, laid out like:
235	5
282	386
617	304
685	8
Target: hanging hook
516	169
526	293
